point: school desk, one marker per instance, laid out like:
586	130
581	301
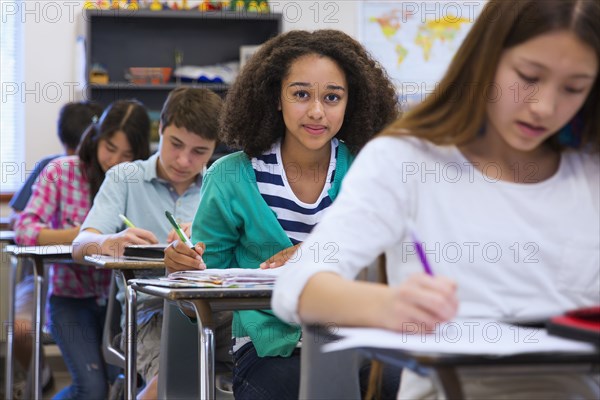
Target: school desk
204	302
39	255
124	269
503	350
7	237
4	223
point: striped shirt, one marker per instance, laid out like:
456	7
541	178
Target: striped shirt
60	200
295	217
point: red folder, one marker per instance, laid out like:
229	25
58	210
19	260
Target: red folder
582	324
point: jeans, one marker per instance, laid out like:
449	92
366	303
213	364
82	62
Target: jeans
257	377
77	329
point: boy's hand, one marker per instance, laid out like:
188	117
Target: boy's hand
115	244
179	257
419	303
185	227
280	258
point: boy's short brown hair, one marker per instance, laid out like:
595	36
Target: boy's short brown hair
194	109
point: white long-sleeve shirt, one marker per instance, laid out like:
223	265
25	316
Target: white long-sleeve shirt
513	249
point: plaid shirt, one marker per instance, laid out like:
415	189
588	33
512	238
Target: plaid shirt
60	200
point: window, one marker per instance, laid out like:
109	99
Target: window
12	128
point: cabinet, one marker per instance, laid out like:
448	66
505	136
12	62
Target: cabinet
120	39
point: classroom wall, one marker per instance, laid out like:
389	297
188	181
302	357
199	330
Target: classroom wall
52	58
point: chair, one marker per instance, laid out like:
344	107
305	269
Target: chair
327	375
112	328
336	375
111	334
179	351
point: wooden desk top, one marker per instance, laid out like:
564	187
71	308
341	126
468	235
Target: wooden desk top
7	236
50	251
220	299
122	263
4	223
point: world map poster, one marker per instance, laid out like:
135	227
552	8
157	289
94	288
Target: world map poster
416	40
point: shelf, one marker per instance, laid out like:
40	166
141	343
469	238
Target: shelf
218	87
190	14
121	39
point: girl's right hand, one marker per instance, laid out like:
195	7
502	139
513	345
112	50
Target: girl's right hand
179	257
419	303
115	244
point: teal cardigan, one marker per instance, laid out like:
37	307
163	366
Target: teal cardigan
241	231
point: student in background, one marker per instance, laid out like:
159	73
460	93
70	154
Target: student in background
73	119
143	191
521	180
300	110
60	201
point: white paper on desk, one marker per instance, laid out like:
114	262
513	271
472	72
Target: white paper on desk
461	336
173	284
239	277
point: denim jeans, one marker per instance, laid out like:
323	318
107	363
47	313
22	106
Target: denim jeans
257	377
77	329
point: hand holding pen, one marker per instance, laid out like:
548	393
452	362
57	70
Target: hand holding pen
184	238
182	255
422	300
114	244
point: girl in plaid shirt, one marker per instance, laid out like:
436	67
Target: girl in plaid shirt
61	199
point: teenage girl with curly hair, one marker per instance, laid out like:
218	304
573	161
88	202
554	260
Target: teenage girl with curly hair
300	110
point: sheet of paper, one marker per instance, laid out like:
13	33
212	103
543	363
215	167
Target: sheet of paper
213	277
173	284
461	336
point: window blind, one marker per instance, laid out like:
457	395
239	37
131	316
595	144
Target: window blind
12	127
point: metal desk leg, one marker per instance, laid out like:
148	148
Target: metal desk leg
130	344
448	383
206	345
37	324
15	270
207	363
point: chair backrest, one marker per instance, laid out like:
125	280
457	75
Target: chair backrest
112	328
335	375
327	375
179	351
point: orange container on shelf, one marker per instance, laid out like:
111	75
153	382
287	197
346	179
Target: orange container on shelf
150	75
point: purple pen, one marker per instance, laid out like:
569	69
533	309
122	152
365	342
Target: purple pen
422	256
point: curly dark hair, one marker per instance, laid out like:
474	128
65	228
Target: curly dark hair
251	120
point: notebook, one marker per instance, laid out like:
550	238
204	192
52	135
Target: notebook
581	324
223	278
145	251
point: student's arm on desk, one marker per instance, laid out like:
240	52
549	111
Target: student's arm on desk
421	299
57	236
279	259
91	241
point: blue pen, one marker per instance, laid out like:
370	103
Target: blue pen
422	256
